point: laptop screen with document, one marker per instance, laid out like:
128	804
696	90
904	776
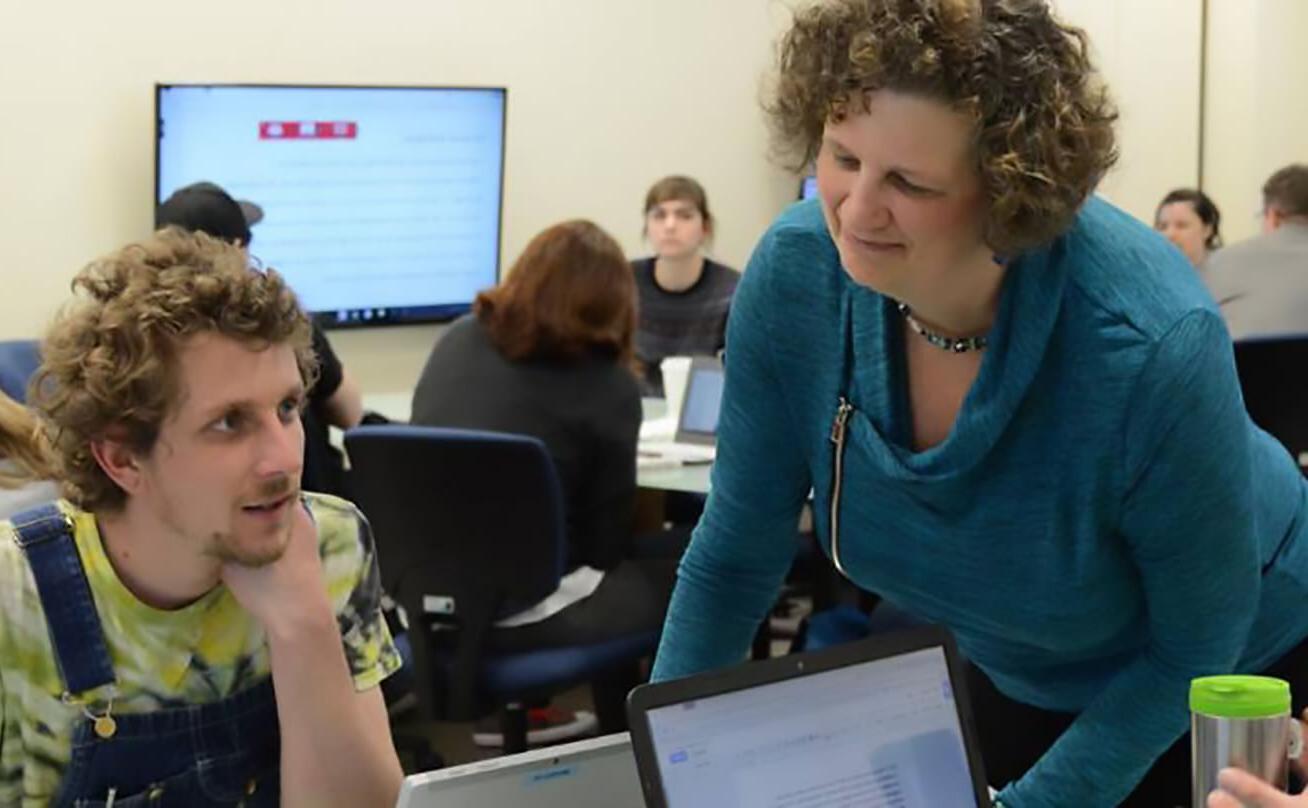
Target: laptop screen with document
881	732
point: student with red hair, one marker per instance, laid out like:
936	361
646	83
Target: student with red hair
548	353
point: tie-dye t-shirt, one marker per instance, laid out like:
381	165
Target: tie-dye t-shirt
204	652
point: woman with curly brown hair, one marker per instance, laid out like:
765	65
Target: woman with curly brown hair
1014	405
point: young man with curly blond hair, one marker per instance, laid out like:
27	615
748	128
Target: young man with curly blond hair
186	628
1014	405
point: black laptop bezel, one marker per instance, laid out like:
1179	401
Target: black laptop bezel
752	674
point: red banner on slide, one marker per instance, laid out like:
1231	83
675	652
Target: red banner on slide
308	130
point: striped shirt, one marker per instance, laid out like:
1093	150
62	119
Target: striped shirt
692	322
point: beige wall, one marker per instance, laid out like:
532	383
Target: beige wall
604	97
1149	52
1256	118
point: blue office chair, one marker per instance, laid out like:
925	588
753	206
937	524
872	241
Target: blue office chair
469	528
19	359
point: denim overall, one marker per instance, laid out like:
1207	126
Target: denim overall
225	753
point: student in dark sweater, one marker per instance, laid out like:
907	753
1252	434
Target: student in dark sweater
684	296
548	353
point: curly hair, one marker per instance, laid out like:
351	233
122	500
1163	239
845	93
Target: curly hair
110	360
1043	129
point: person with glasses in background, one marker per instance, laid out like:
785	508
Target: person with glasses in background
1262	284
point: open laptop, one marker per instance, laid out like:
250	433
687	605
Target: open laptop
594	773
879	722
695	440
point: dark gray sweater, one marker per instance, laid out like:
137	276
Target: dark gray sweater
692	322
587	414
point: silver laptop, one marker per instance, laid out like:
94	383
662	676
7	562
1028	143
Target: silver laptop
697	422
880	722
594	773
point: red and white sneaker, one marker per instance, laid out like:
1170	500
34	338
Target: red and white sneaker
545	725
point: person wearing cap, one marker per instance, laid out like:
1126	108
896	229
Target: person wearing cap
207	208
335	399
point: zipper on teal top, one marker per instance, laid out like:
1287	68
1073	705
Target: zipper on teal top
838	438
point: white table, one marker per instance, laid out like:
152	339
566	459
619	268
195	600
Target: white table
692	479
397	406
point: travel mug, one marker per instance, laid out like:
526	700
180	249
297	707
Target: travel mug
1240	721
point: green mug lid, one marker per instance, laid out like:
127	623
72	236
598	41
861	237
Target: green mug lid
1240	696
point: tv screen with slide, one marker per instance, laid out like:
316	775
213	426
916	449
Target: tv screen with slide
380	205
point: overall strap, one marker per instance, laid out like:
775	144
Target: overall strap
45	535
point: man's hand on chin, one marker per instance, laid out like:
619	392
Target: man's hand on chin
288	593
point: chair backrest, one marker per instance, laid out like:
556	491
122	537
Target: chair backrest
1274	380
19	359
469	527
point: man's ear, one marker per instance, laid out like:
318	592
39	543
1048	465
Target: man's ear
117	460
